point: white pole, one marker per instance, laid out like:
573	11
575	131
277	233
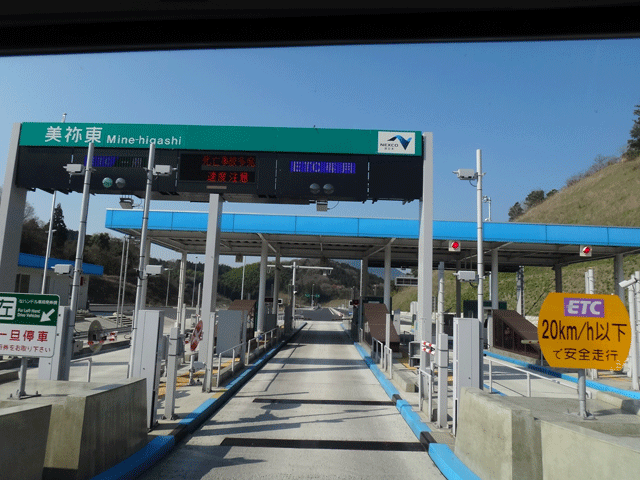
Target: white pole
590	289
183	271
166	300
143	254
634	325
244	263
387	276
120	283
633	293
425	256
480	251
193	292
293	297
50	236
77	270
49	241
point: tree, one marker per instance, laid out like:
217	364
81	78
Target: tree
633	144
536	197
61	233
515	211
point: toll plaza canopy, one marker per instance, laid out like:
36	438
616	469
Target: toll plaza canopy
518	244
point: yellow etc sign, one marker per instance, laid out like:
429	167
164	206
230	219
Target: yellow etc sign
577	330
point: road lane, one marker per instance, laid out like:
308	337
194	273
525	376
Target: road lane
314	411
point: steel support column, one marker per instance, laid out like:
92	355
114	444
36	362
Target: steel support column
210	288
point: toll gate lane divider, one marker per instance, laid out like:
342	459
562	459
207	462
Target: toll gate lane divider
444	458
160	446
547	371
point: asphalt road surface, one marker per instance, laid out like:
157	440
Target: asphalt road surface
315	411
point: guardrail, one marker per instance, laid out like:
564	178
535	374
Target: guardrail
269	338
529	374
89	360
381	354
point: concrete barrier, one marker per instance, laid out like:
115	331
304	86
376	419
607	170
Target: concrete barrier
497	440
535	438
572	451
92	426
23	435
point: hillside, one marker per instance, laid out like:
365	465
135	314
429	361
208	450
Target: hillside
607	197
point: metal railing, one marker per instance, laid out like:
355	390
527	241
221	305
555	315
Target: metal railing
89	360
269	338
529	375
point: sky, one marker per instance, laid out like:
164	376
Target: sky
539	112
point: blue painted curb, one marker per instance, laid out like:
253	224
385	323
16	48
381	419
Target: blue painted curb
444	458
135	465
140	461
547	371
450	465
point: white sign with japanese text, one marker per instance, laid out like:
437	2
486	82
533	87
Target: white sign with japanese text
28	324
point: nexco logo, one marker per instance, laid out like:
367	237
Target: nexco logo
583	307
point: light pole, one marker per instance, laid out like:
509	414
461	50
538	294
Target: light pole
470	174
166	302
634	297
152	171
193	292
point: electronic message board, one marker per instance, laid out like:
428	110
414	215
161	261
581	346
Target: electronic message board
264	164
323	177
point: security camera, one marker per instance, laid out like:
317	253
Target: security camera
74	168
162	170
153	269
466	276
62	268
628	283
465	173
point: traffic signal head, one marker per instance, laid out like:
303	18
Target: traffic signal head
585	250
454	246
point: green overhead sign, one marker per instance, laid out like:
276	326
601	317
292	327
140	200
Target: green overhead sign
195	137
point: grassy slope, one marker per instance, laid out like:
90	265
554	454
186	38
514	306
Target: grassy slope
608	197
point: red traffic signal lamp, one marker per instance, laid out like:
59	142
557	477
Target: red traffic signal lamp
454	246
585	250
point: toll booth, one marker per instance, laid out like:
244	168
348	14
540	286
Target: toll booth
374	324
515	334
248	306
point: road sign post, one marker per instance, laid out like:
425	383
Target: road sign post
28	325
582	331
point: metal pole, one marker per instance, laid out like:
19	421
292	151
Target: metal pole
480	253
50	235
262	287
634	325
77	271
143	254
633	292
49	241
582	392
425	255
590	289
124	281
193	291
166	300
120	284
293	297
183	270
244	263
